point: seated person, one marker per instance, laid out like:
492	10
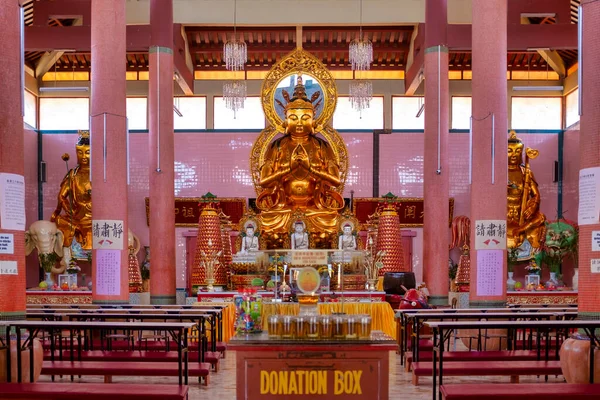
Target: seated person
249	240
299	238
347	241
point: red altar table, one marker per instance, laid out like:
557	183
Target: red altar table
542	297
58	297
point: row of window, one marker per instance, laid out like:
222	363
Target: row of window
407	113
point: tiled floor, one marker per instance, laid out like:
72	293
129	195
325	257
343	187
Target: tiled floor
222	384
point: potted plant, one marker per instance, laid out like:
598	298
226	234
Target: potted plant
511	260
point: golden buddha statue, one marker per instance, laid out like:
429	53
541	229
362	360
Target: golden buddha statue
524	219
73	213
300	171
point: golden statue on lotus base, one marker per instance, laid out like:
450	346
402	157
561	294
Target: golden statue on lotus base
525	221
303	171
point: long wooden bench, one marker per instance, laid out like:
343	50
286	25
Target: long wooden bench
108	369
147	356
511	368
524	391
513	355
92	391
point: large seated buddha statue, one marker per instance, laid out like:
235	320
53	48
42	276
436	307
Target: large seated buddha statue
300	171
525	221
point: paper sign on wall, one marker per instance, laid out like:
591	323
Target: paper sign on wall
595	264
489	272
8	268
108	234
12	202
108	272
595	240
7	243
589	196
490	234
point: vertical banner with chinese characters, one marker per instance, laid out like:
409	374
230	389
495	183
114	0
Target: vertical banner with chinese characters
108	234
12	202
489	272
490	234
108	271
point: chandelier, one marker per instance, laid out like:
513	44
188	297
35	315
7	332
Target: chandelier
361	93
234	93
235	54
361	50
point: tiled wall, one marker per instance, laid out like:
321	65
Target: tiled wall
218	162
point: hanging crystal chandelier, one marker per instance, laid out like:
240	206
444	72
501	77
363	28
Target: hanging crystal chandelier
361	50
235	52
361	93
234	93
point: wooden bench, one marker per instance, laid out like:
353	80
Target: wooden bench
147	356
108	369
514	355
511	368
524	391
92	391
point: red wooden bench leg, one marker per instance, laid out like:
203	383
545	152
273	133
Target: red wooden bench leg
107	378
514	379
415	380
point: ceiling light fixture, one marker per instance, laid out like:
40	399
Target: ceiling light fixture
541	88
361	50
235	51
64	89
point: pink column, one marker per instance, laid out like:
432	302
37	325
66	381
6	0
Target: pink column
436	173
161	153
12	286
489	173
589	139
109	143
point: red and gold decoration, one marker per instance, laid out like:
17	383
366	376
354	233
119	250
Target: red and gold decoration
209	231
389	239
410	209
135	276
226	257
461	233
187	209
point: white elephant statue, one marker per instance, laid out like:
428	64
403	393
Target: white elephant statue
47	239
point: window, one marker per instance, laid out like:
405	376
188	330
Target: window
30	110
404	113
572	107
193	113
64	113
461	112
249	117
536	113
137	112
346	117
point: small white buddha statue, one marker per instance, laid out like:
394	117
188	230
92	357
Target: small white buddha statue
347	241
249	241
299	239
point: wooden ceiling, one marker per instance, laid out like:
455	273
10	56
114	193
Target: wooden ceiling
266	45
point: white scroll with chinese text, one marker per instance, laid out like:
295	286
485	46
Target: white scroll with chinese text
490	234
12	202
108	234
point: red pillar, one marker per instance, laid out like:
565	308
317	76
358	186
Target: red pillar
436	173
12	286
162	154
489	173
109	142
589	139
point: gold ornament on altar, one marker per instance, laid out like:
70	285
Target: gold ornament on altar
461	234
300	171
135	276
73	213
524	219
373	260
209	260
389	239
209	240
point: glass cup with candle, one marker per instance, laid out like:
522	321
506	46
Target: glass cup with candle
301	327
350	326
364	324
288	326
312	327
339	326
326	324
274	327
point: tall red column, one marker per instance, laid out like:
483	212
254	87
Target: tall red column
12	283
489	124
436	174
109	150
589	139
161	153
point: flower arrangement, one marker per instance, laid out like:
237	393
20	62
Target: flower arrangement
533	267
47	261
373	261
73	268
210	261
512	258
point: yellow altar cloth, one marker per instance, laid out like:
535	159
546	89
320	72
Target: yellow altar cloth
381	313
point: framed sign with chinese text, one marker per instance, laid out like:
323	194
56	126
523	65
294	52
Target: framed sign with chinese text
410	209
187	209
490	234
